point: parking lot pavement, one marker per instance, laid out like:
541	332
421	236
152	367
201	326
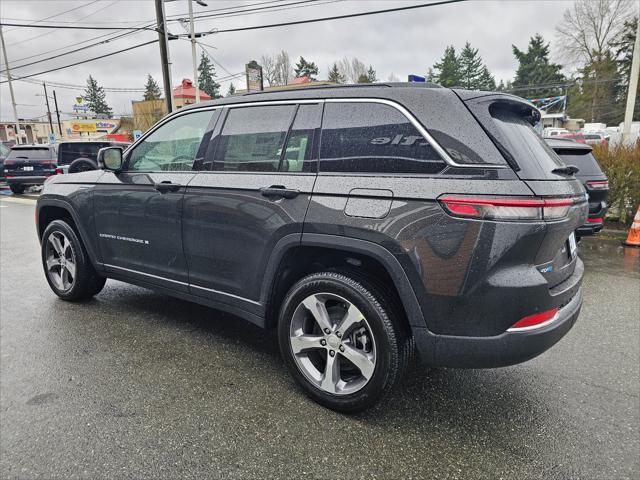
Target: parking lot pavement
134	384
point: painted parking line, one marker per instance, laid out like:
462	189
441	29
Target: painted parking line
22	200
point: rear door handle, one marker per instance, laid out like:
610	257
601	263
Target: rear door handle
167	186
279	191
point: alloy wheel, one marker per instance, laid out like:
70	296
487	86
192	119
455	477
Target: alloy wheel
60	261
332	344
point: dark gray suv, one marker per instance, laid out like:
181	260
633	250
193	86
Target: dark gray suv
365	223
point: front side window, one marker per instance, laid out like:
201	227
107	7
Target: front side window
173	146
373	138
252	138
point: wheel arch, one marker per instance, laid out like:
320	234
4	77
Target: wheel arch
296	256
50	209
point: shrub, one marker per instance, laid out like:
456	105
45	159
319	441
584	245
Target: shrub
621	164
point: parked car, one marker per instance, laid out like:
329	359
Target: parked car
576	137
28	165
4	151
591	176
364	223
553	131
592	138
76	157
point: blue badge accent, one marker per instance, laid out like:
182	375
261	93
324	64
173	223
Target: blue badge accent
547	269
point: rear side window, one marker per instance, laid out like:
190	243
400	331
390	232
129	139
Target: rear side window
373	138
68	152
583	159
299	152
518	137
31	154
252	138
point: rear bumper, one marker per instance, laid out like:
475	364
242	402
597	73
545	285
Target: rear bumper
508	348
34	180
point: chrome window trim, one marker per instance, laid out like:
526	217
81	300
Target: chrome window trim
423	131
408	115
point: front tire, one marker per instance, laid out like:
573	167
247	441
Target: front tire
342	340
67	266
17	189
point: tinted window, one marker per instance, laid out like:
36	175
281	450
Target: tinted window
252	138
373	138
68	152
173	146
584	160
31	154
298	154
517	136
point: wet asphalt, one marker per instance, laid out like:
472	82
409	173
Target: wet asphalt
133	384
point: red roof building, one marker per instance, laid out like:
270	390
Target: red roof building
185	94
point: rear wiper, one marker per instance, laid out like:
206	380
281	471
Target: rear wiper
567	170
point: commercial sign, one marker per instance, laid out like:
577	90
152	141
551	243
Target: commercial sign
83	127
254	77
79	105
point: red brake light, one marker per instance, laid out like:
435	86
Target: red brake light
595	220
598	184
59	171
507	208
536	320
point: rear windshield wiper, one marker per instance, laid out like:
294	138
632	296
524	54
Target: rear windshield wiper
567	170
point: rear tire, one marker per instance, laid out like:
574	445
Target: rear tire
342	340
17	189
66	264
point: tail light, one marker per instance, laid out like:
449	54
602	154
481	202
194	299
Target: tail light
537	320
508	208
59	171
598	184
595	220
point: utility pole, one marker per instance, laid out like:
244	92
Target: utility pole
633	87
163	37
193	52
13	98
46	98
55	102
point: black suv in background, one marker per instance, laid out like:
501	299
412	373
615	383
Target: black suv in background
76	157
364	223
591	176
28	165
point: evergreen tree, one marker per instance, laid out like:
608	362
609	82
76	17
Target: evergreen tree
486	81
594	97
371	75
535	68
207	77
151	89
305	69
232	90
447	70
334	74
96	98
364	78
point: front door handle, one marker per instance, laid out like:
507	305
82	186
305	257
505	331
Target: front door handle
167	186
279	191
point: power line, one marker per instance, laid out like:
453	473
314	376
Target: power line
69	27
51	16
87	60
338	17
49	33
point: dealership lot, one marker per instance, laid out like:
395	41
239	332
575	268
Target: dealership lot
135	384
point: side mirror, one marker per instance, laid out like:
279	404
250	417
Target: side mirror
110	158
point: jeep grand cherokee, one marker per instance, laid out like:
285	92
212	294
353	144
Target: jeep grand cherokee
364	223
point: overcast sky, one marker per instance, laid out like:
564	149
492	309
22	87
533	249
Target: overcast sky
400	43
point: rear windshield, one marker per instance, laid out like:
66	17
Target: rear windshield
68	152
30	153
583	159
534	157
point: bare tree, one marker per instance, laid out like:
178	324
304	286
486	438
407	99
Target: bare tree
589	26
276	69
352	69
393	78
